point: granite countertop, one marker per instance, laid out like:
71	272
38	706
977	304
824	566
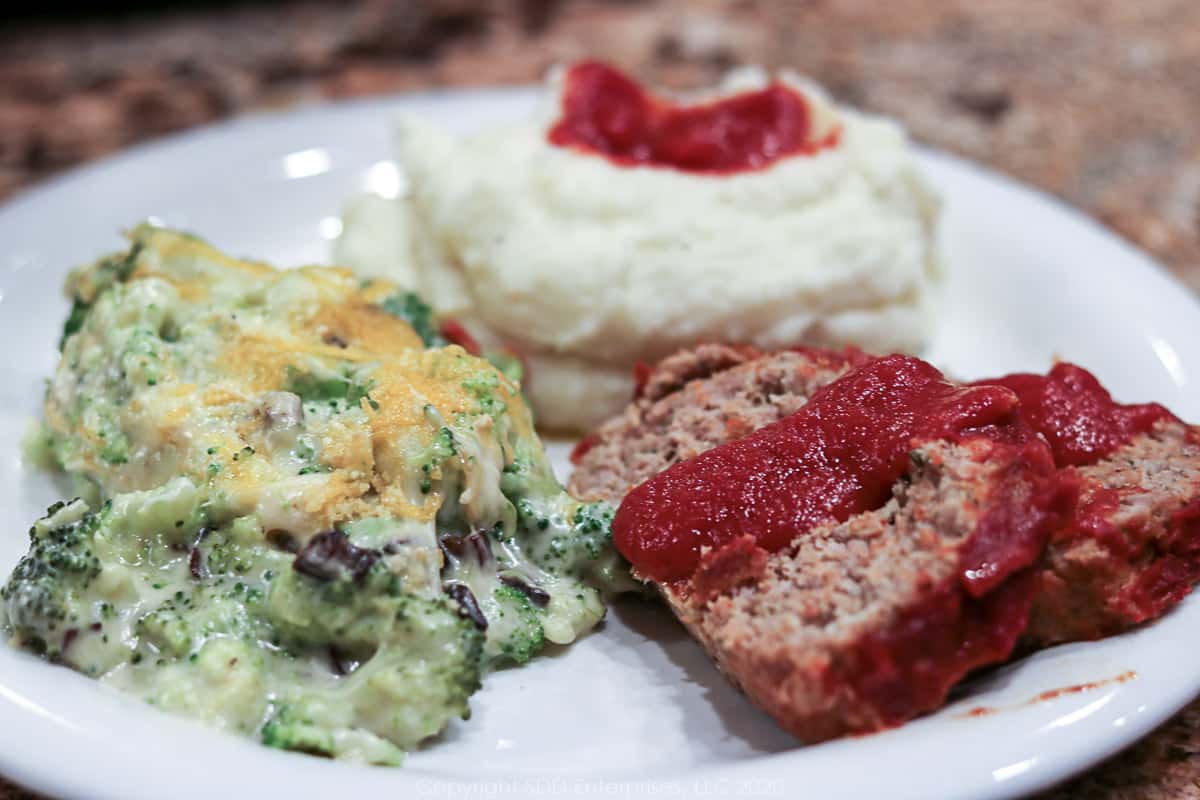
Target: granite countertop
1097	102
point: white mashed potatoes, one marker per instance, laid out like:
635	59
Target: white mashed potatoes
587	267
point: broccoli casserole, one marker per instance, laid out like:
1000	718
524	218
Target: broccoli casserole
301	516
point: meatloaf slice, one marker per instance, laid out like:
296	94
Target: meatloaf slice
1129	552
694	400
864	624
1131	549
1125	552
868	552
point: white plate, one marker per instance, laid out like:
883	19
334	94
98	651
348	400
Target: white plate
635	709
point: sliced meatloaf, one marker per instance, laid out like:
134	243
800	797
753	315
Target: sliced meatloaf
876	549
1130	549
1128	553
694	400
1123	551
864	624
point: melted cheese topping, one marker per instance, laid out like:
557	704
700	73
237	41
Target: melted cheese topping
293	392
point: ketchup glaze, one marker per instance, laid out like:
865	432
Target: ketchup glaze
1083	424
838	456
1076	415
604	112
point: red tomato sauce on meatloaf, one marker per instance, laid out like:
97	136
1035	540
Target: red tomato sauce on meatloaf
1077	415
1084	425
840	455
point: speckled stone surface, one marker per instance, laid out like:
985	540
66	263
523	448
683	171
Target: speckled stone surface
1097	102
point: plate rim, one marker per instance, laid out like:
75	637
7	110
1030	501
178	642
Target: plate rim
28	198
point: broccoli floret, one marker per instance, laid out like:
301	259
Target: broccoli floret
485	388
442	447
65	598
181	624
340	390
517	625
536	576
210	620
238	551
343	611
79	312
117	268
508	365
587	550
439	451
290	728
43	599
115	449
427	668
417	313
168	629
416	662
563	536
592	529
85	284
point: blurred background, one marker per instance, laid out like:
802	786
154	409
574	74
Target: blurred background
1097	102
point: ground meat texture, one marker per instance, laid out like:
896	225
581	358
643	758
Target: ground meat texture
1131	549
864	624
805	629
695	400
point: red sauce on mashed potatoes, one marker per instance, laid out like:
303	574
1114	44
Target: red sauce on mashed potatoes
607	113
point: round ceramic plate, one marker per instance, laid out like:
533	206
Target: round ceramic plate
635	709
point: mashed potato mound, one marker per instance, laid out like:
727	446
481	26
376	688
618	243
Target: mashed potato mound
588	267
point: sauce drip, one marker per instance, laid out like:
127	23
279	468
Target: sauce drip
606	113
1054	694
838	456
1076	415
